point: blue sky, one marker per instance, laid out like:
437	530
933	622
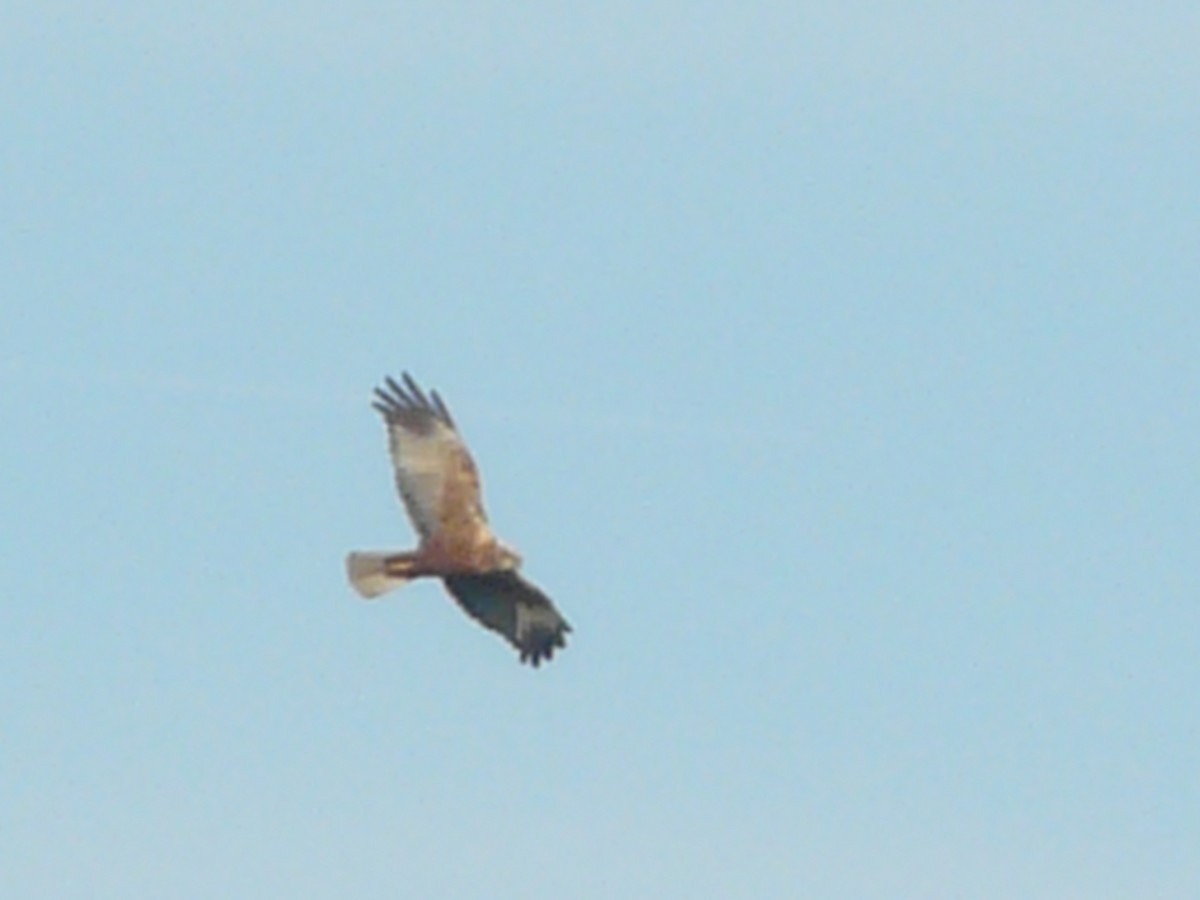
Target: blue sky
835	371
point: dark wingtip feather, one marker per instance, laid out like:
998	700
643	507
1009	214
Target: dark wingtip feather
441	409
398	394
415	391
545	650
394	400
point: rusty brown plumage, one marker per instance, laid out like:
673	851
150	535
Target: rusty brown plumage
439	483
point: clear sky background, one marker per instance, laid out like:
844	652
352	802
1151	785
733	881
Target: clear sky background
834	366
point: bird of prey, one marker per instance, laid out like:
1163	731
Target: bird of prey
440	487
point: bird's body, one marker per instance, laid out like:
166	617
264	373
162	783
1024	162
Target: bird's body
439	484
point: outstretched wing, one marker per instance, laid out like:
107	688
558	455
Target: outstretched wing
435	474
505	602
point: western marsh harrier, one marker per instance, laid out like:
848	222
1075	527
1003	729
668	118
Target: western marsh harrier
439	485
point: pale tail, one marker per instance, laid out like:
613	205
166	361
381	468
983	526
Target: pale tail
368	573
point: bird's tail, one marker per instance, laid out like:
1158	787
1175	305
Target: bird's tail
372	574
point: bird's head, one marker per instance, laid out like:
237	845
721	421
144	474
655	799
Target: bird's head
507	556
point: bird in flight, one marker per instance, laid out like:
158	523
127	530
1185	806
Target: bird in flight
440	487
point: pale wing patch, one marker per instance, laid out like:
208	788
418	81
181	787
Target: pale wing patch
424	463
434	472
534	620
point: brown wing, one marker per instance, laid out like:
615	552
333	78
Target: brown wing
506	603
435	474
